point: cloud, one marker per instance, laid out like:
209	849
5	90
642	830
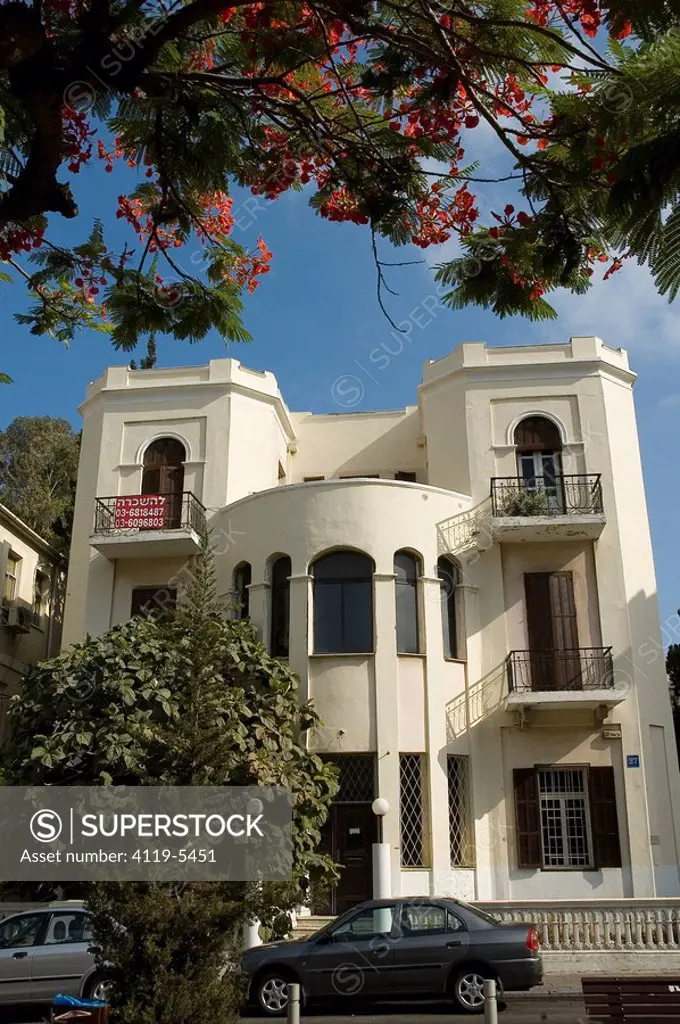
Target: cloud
626	312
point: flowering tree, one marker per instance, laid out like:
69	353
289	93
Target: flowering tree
367	105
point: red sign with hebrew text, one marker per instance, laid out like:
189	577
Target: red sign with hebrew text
141	512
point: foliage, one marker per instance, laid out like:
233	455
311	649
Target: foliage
673	670
184	699
38	470
525	503
369	107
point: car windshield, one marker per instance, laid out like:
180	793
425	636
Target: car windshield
478	913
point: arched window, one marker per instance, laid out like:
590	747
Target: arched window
343	603
164	474
280	624
448	575
406	571
539	445
242	579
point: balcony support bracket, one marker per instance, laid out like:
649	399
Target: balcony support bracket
523	718
601	715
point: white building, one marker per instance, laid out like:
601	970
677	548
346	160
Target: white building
465	587
30	604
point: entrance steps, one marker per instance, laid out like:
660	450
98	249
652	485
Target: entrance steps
305	926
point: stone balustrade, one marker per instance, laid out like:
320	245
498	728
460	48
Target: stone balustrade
645	925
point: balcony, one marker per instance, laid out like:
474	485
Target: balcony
148	526
552	679
568	507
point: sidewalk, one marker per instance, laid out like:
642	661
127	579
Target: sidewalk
565	986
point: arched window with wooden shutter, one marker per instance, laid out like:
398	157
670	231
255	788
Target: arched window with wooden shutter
539	461
164	474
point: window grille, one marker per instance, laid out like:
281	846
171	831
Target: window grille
357	778
412	811
565	832
461	832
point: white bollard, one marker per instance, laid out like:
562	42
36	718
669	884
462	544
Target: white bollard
251	934
490	1004
293	1003
382	874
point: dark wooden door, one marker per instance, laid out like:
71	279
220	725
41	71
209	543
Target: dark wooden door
353	832
552	631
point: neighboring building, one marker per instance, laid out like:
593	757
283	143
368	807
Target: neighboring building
465	587
30	604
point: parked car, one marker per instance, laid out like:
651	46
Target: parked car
413	948
45	950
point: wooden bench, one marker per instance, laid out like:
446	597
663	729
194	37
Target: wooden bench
632	1000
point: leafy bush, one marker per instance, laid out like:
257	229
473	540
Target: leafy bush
184	699
525	503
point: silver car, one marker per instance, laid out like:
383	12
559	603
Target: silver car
44	951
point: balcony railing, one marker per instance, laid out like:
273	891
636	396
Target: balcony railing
571	494
144	513
579	668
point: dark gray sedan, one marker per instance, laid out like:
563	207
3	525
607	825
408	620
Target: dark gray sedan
412	948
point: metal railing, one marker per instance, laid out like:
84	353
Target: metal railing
578	668
571	494
144	513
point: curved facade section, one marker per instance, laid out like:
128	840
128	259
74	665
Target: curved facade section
350	605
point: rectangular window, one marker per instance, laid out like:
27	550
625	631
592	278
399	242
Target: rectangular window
408	477
343	621
11	577
152	600
311	479
412	812
566	818
565	829
461	830
360	476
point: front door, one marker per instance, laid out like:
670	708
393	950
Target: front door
18	935
432	939
354	832
61	957
355	957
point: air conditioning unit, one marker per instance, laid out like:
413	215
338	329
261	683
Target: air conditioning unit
18	620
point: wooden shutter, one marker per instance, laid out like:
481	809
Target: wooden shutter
539	630
563	611
604	821
568	670
527	818
539	618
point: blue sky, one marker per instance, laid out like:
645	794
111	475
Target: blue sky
315	319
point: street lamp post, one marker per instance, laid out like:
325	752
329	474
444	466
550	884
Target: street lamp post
382	875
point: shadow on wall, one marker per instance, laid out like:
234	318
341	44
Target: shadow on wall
467	535
478	702
379	455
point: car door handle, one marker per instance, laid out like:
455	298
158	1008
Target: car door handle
454	943
19	956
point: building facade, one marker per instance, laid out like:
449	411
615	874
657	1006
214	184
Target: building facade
30	604
465	587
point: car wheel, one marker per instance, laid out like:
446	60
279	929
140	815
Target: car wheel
468	990
99	987
272	994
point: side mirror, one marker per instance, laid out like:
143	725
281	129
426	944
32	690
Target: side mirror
325	939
